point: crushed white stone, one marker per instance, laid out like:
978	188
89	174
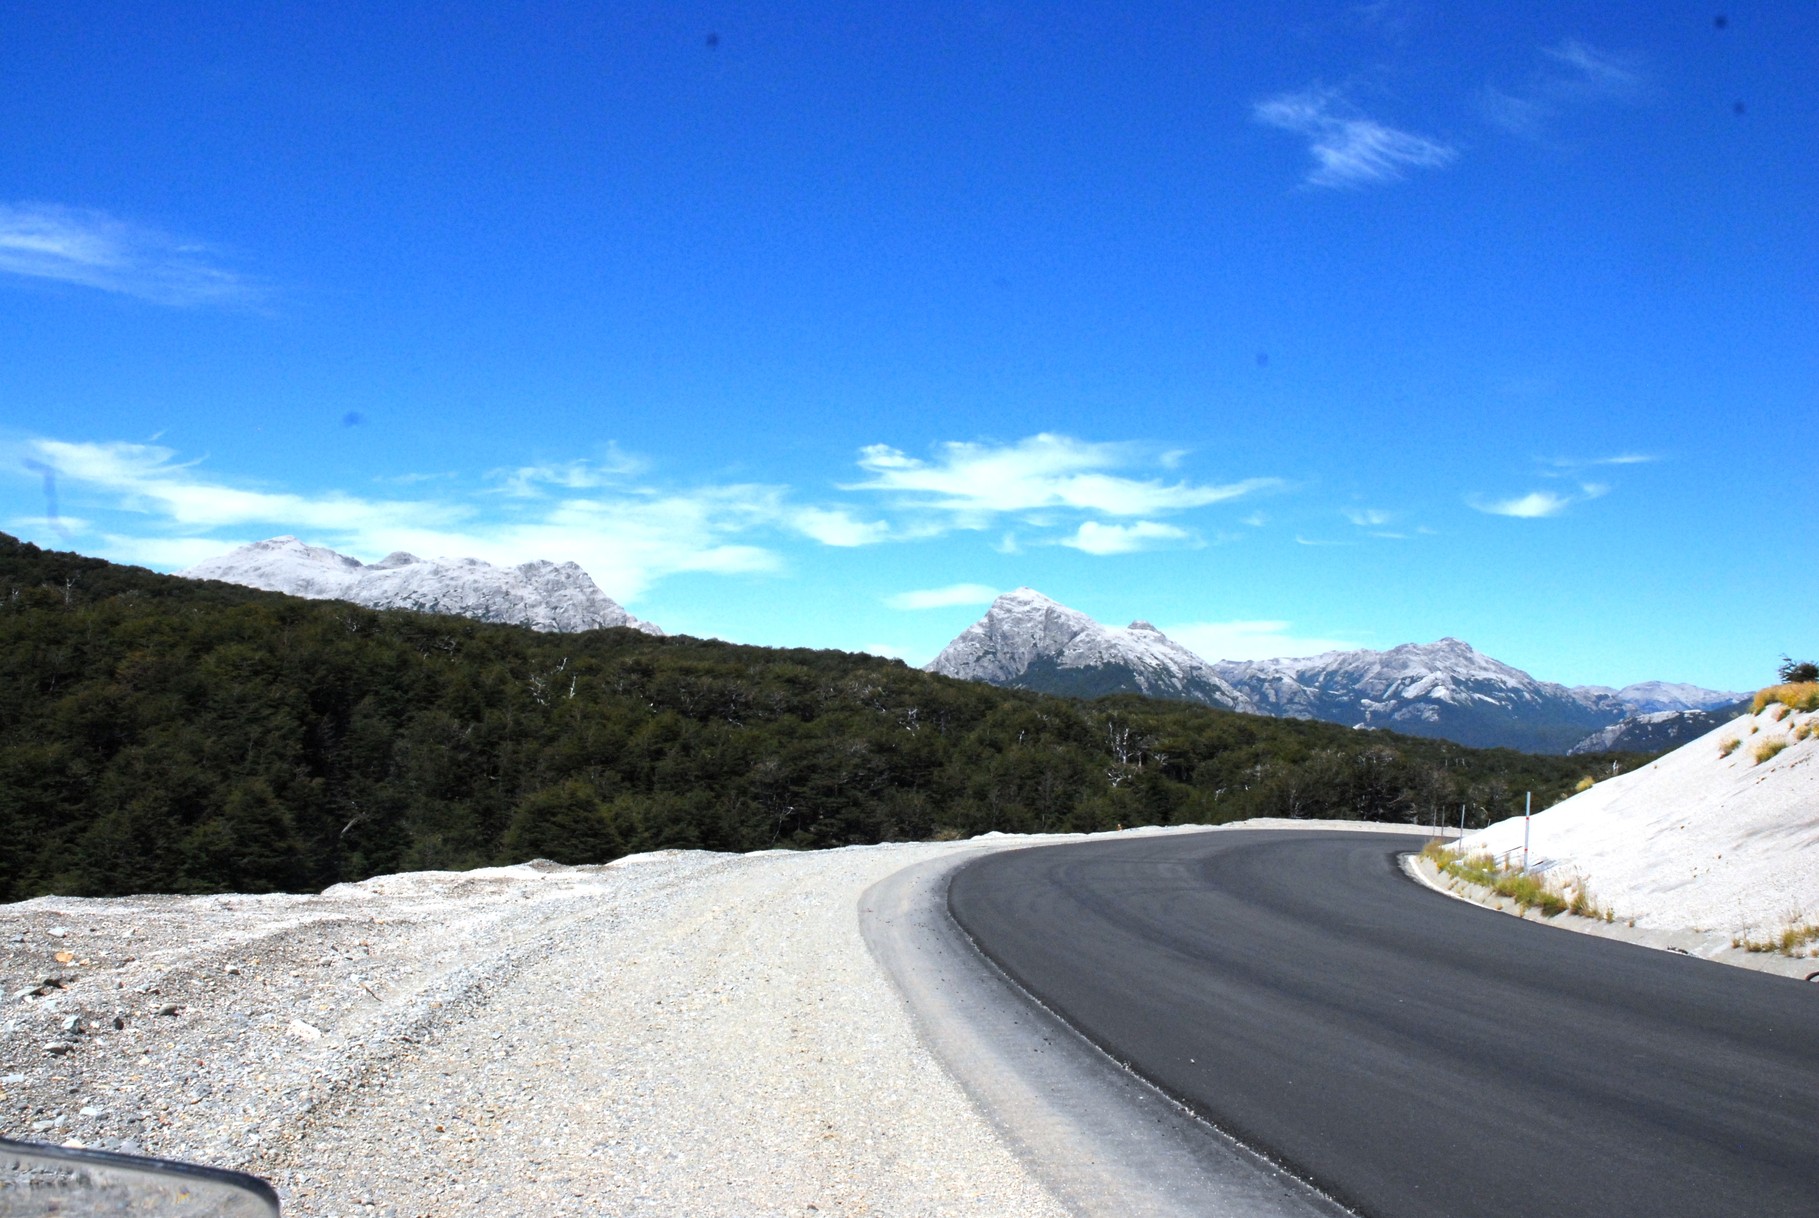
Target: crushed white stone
680	1033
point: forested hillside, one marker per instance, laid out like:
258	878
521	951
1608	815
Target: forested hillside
159	734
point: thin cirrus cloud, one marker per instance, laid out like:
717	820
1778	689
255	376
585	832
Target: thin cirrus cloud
1540	504
1349	148
612	468
1565	465
1570	74
975	485
944	598
96	250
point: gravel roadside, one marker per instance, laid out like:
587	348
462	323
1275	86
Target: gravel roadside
680	1033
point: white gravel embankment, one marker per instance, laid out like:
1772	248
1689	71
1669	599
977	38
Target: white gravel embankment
681	1033
1714	842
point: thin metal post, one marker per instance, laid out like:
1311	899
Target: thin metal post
1527	802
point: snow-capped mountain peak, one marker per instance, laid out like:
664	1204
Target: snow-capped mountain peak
1025	640
1445	688
540	594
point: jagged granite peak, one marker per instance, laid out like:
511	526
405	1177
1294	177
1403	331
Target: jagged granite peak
541	594
1027	641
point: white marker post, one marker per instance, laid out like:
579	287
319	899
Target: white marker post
1528	798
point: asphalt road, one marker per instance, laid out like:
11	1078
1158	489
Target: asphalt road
1408	1053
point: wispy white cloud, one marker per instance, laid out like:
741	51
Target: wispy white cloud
1349	148
1569	464
1251	640
1540	504
1533	506
1095	537
1585	69
944	598
1570	74
975	484
1367	518
838	527
612	468
96	250
626	539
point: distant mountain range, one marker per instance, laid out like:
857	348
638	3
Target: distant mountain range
542	595
1445	689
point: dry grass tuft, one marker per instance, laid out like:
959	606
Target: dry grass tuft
1728	745
1551	897
1801	695
1768	748
1795	939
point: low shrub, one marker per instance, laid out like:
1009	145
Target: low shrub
1792	670
1728	745
1585	784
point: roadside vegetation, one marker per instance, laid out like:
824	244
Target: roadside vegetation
1800	937
1794	696
1552	896
1798	691
166	735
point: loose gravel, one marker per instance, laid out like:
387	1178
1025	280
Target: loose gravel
678	1033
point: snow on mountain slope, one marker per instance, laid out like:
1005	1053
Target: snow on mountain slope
1655	731
1446	689
1705	837
1647	697
542	595
1027	641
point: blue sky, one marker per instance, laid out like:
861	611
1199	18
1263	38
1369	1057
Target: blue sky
1289	327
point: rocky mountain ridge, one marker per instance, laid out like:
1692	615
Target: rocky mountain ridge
1027	641
1445	689
547	596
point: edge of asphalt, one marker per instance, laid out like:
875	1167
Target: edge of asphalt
1098	1136
1714	946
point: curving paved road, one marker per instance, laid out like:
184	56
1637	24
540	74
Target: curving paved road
1408	1053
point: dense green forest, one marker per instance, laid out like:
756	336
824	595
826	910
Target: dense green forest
160	734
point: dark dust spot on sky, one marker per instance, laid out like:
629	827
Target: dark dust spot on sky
1263	359
49	475
1738	108
713	40
352	418
1720	21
